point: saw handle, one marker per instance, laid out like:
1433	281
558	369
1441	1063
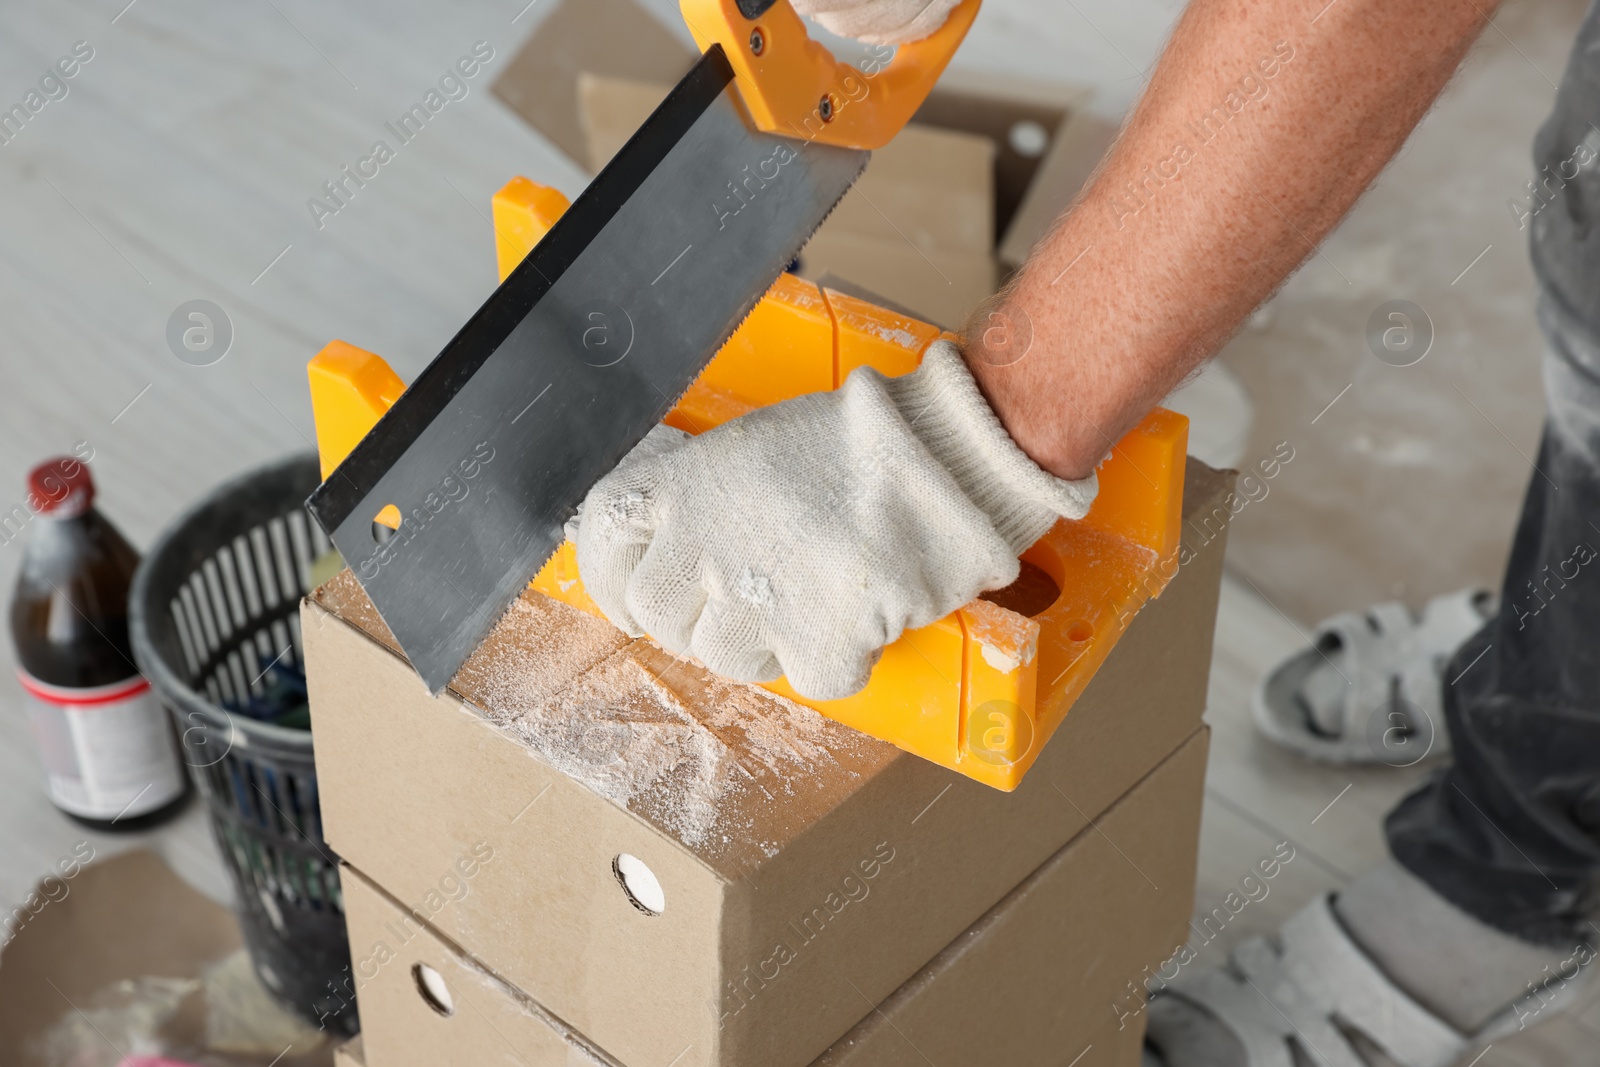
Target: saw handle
794	86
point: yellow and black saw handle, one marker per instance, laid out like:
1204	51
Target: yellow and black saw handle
793	85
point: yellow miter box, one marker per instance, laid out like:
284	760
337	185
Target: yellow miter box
979	691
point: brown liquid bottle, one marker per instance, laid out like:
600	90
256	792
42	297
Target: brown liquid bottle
109	754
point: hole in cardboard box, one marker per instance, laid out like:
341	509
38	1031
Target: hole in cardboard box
1028	138
1032	592
640	884
431	988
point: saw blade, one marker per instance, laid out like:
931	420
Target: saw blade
576	356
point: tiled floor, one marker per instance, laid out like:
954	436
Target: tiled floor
179	165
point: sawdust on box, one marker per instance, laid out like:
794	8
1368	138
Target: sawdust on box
661	736
720	765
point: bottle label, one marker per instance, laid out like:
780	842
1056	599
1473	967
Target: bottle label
108	750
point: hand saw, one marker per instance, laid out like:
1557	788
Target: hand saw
600	330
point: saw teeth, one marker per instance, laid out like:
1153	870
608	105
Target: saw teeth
748	311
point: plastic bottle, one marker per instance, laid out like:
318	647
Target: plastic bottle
109	753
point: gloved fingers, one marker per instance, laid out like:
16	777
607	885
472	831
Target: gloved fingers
878	21
661	440
728	640
665	596
832	668
605	567
618	524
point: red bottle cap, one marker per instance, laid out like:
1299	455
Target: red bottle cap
60	488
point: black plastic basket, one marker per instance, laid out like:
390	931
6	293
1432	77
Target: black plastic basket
215	620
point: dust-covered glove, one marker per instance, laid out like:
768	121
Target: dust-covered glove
878	21
802	538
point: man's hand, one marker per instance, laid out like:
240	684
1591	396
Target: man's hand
1261	125
878	21
802	538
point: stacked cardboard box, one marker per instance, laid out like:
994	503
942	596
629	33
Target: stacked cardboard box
587	851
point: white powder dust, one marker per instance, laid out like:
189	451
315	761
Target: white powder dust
658	735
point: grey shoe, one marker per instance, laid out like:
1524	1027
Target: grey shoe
1315	997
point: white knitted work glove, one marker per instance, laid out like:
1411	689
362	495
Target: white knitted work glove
878	21
802	538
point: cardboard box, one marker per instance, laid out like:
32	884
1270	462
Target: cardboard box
1080	143
1112	1046
350	1054
917	227
987	158
614	37
931	187
1032	982
120	951
934	284
762	823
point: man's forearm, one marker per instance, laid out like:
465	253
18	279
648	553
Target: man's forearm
1262	125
